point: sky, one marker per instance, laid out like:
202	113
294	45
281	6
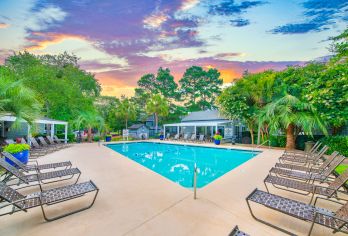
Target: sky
119	41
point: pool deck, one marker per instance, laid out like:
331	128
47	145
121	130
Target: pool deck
134	200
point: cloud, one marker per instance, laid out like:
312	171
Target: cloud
229	55
94	58
188	4
240	22
319	15
4	25
155	20
229	7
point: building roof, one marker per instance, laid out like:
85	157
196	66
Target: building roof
136	126
43	120
198	123
208	115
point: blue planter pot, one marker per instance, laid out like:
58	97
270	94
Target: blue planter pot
217	142
161	137
22	156
107	138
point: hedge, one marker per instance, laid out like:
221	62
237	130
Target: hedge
71	137
336	143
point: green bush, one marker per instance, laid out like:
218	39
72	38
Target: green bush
302	139
71	137
96	138
278	141
217	137
14	148
336	143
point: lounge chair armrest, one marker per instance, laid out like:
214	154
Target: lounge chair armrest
327	199
344	221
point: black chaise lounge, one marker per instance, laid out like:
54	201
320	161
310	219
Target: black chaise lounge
236	232
322	176
37	168
14	176
338	220
308	168
18	202
43	142
313	150
310	159
291	185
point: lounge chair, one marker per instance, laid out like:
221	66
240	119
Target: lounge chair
313	150
37	146
236	232
176	137
45	144
312	159
167	136
29	180
299	187
53	143
9	141
59	140
322	176
193	138
37	168
18	202
311	213
185	138
201	138
310	168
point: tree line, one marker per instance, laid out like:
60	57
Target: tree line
299	99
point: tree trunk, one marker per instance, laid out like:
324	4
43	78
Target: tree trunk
336	130
258	134
89	134
126	123
290	137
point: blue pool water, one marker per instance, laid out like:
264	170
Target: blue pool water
176	162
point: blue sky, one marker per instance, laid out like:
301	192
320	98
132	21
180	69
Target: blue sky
121	40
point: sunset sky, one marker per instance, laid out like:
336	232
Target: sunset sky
121	40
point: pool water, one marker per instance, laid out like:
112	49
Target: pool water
177	162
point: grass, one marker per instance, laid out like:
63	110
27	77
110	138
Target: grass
341	168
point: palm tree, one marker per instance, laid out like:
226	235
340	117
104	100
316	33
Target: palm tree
126	111
292	115
158	106
90	120
18	100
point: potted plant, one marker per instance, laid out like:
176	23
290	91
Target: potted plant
108	138
217	139
19	151
161	137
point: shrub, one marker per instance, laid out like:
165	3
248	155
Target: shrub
302	139
217	137
277	141
96	138
14	148
336	143
71	137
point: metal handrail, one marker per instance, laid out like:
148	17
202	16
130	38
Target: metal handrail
195	182
269	145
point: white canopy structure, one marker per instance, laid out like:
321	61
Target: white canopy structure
44	120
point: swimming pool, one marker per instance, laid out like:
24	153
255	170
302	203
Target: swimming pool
176	162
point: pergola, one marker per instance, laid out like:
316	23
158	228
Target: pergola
44	120
198	124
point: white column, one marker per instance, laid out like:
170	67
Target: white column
216	129
29	135
52	130
195	130
164	131
66	133
178	129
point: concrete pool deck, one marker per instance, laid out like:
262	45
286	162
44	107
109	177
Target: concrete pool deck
134	200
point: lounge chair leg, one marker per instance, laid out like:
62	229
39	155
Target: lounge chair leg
69	213
267	223
264	182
